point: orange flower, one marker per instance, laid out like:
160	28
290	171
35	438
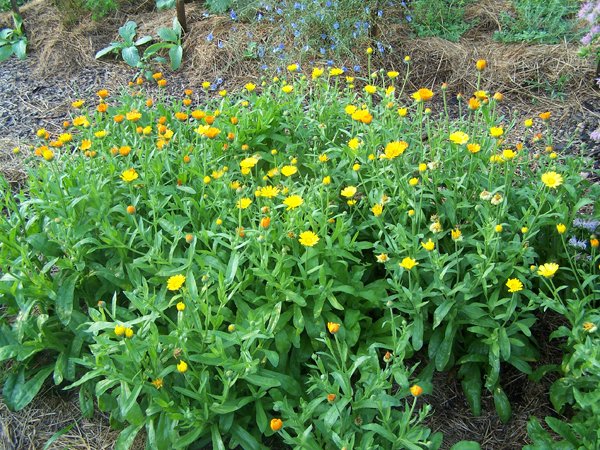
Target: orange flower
331	397
131	209
102	107
209	120
481	64
333	327
423	95
234	120
276	424
416	390
162	83
265	222
545	115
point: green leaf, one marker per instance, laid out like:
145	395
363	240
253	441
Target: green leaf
64	299
165	4
175	55
217	441
18	393
105	51
167	34
20	48
563	429
131	56
127	31
441	312
466	445
127	436
56	435
143	40
245	439
502	405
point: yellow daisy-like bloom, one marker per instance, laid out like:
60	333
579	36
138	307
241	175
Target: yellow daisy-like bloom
182	366
481	64
308	238
334	72
129	333
459	137
423	95
548	270
413	181
422	167
377	210
402	112
287	88
316	73
323	158
354	143
356	167
288	171
498	228
133	116
250	87
100	134
86	144
293	201
496	132
326	180
393	74
561	228
81	121
77	103
48	154
248	163
394	149
528	123
120	330
545	115
350	109
268	191
370	89
508	154
333	327
243	203
514	285
292	67
429	245
129	175
348	191
474	148
362	115
408	263
175	282
552	179
180	306
65	137
383	257
456	234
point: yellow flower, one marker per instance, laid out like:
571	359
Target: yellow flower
100	134
182	366
288	171
514	285
48	154
158	383
408	263
316	73
370	89
459	137
334	72
413	181
323	158
429	245
65	137
243	203
120	330
129	333
423	95
287	88
248	163
356	167
508	154
456	234
250	87
175	282
561	228
524	230
395	149
411	212
382	257
369	50
435	227
416	390
402	112
422	167
473	148
86	144
77	104
548	270
133	116
377	210
333	327
129	175
348	191
308	238
552	179
292	67
498	228
393	74
293	201
81	121
528	123
268	191
481	64
180	306
326	180
545	115
223	92
496	132
350	109
589	327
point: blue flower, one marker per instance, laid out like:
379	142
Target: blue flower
357	68
261	52
220	44
408	19
322	50
336	26
259	17
380	13
380	47
210	37
233	15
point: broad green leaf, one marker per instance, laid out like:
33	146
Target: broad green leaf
127	436
18	393
64	298
175	55
131	56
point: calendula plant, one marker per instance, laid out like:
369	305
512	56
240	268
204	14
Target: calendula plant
212	268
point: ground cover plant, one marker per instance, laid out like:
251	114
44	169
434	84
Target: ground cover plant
264	268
